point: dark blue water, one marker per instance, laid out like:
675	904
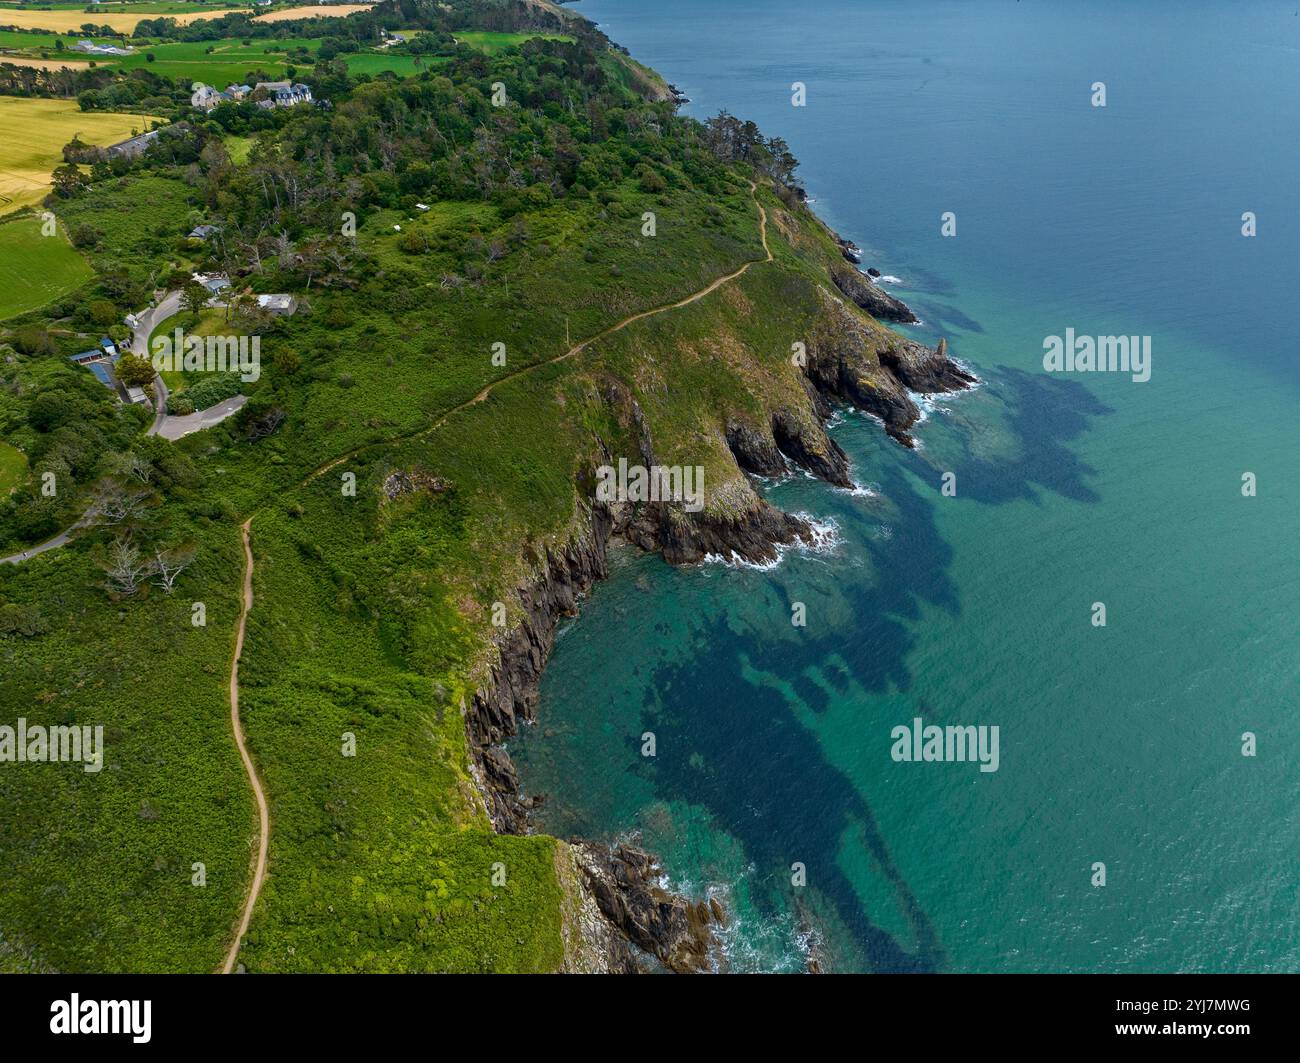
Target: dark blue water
1120	745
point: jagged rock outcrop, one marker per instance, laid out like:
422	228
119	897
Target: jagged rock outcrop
924	370
805	442
874	300
851	251
841	363
874	368
675	932
751	533
755	451
511	691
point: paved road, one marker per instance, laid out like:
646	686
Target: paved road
147	321
175	427
49	544
170	428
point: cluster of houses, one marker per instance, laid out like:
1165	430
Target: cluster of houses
278	94
101	360
281	304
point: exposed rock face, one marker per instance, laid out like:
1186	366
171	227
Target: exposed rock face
678	933
806	444
794	435
839	364
755	451
511	693
405	482
873	369
924	370
875	301
752	535
624	915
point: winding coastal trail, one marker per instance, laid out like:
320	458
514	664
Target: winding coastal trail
263	813
577	348
246	597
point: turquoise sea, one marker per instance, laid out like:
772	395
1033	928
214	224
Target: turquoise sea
1120	744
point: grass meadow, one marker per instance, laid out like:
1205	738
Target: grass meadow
35	269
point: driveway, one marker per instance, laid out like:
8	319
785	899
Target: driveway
163	425
146	322
175	427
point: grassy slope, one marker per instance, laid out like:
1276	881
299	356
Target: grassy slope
13	468
98	867
34	269
492	42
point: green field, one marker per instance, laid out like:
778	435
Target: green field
13	468
217	63
35	269
402	65
28	39
143	7
226	62
210	323
238	149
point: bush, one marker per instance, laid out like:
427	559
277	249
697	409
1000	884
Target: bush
213	389
32	339
179	405
83	235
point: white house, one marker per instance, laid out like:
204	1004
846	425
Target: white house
280	304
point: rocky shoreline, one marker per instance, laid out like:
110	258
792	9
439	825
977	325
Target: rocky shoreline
625	920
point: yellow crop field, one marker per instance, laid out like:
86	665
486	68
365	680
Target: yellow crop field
43	64
314	11
61	21
32	135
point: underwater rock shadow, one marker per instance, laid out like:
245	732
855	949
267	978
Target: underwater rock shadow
756	784
1045	414
763	779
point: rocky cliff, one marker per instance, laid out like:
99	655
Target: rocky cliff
626	921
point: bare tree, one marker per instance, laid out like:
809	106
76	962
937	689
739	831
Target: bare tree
117	503
167	565
124	567
136	466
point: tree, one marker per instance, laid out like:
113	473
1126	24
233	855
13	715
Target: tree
118	503
167	565
68	181
136	466
194	297
102	313
135	372
124	567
